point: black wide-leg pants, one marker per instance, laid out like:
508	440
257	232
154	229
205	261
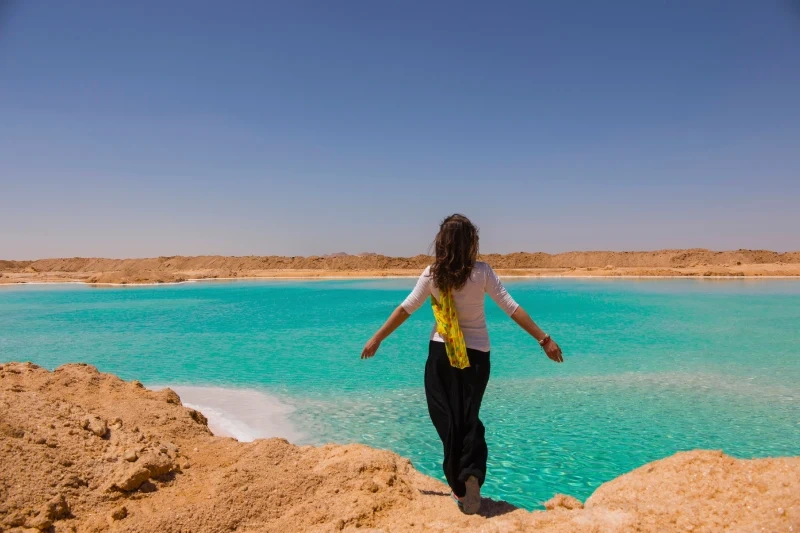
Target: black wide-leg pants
454	403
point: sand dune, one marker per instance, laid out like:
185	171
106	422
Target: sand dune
692	262
85	451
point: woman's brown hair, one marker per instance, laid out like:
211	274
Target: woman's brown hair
456	248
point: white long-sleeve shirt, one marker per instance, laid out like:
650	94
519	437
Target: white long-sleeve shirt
469	303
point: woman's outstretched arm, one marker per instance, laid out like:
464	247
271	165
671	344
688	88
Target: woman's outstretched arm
414	301
498	293
397	317
551	348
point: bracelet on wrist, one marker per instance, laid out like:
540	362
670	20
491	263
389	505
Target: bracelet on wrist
544	340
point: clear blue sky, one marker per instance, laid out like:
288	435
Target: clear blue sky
190	127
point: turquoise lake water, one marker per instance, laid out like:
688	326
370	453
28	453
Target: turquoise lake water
652	367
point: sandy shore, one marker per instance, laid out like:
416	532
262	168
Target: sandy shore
662	263
85	451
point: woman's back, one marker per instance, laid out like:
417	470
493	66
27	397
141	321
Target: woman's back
457	370
469	303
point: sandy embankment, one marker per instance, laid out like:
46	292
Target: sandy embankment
85	451
694	262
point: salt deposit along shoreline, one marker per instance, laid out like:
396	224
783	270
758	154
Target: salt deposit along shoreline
86	451
243	414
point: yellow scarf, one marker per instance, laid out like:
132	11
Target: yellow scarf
447	326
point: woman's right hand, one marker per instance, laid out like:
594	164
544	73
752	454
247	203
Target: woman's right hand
370	348
553	351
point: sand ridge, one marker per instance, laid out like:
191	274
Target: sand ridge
87	451
669	263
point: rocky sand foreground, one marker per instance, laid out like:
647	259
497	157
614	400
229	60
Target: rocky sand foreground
86	451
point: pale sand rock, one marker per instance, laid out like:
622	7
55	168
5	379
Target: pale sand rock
693	262
62	472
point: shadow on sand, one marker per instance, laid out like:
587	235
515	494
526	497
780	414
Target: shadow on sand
489	507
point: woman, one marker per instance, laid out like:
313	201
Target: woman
457	370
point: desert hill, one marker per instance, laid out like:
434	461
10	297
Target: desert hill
691	262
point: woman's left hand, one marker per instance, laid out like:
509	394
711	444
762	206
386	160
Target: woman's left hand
370	348
553	351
